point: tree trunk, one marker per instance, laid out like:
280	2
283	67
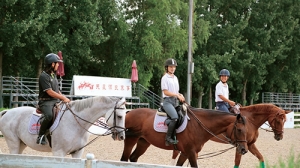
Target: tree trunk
1	99
200	100
210	98
39	67
244	94
39	71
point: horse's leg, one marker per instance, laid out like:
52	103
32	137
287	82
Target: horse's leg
237	160
182	158
78	154
13	144
193	159
252	148
141	147
22	147
129	142
174	156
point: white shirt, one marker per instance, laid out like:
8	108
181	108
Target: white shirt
169	83
221	89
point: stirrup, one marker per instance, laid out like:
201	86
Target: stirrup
41	140
167	142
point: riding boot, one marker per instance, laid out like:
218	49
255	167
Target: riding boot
171	129
41	139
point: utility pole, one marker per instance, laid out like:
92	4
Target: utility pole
190	63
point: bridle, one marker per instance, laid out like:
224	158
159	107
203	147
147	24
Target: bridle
110	130
234	131
113	128
275	129
114	113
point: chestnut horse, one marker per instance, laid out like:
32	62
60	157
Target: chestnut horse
256	115
203	125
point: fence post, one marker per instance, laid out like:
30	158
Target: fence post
89	159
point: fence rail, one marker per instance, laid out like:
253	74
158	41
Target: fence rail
296	119
288	101
9	160
24	91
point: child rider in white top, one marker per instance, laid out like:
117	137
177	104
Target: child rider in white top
222	92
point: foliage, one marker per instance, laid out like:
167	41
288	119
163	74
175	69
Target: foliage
291	162
257	41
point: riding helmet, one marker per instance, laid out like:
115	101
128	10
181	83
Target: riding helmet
50	58
224	72
170	62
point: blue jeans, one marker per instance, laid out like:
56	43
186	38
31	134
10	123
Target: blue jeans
222	106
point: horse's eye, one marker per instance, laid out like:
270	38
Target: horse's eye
120	117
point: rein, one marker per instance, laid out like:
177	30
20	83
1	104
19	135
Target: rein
206	129
212	154
103	125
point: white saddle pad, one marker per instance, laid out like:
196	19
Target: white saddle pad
159	124
34	124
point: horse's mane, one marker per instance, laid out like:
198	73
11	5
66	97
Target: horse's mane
194	109
79	105
259	107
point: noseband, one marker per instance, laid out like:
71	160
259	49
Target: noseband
275	129
113	128
234	131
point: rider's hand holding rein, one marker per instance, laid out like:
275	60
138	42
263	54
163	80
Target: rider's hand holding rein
180	97
53	94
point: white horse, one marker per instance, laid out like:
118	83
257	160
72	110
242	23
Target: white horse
71	134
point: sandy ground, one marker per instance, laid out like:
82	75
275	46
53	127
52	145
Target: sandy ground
104	148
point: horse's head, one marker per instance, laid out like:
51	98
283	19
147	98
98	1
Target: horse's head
276	122
116	119
238	134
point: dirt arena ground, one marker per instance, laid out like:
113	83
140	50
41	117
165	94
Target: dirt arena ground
104	148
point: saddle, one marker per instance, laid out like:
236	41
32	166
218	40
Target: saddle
181	111
56	108
55	111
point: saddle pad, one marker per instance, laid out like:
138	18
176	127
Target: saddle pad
159	124
34	124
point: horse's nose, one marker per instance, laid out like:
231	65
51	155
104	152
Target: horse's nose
244	151
122	138
278	137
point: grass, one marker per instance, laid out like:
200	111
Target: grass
292	162
2	109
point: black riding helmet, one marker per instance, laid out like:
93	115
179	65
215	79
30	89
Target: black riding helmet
50	58
170	62
224	72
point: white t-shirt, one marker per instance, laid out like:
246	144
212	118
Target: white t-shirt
221	89
169	83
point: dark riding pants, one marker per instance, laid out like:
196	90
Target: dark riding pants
46	107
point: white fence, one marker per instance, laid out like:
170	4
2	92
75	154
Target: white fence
29	161
297	120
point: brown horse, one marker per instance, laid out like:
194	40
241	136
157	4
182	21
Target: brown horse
202	126
256	116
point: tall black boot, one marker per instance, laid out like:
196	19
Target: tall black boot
41	139
171	129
